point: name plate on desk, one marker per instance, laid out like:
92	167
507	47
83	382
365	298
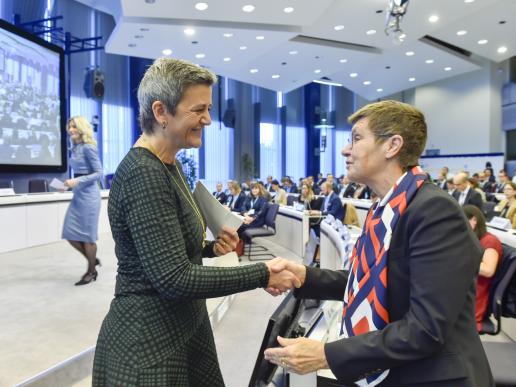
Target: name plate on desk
7	192
499	222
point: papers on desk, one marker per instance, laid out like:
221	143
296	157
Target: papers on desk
216	215
58	184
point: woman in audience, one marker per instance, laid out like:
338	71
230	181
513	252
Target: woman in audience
308	198
157	332
82	217
507	207
474	184
236	198
492	254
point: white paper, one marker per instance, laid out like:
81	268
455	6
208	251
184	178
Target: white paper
216	215
58	184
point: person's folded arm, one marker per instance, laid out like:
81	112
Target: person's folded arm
443	261
152	217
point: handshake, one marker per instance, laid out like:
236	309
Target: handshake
284	275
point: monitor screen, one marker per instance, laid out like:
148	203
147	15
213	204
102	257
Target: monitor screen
282	323
32	110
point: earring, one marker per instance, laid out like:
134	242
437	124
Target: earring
163	125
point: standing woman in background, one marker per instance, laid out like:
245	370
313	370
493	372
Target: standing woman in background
82	218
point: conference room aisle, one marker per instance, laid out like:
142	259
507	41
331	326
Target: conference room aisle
46	322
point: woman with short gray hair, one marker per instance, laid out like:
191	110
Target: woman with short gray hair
157	331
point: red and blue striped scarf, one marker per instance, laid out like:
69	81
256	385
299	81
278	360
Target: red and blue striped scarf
365	300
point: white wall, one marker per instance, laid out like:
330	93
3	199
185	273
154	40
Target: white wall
464	113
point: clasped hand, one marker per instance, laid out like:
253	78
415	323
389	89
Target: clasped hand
284	275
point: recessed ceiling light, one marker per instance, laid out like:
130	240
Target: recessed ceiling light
412	79
379	90
138	36
201	6
429	61
275	76
253	71
243	47
189	31
227	34
167	51
410	53
433	19
343	60
340	27
199	56
353	75
462	32
227	59
260	37
371	32
469	1
502	50
482	41
132	45
317	71
288	9
293	52
248	8
447	69
367	83
150	1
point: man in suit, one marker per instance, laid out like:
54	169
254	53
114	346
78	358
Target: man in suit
503	179
409	295
268	185
281	196
219	194
464	193
332	204
288	185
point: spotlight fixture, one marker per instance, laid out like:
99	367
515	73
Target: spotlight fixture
201	6
396	9
167	51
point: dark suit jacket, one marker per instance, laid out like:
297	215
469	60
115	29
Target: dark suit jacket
220	196
473	197
350	190
335	207
239	204
432	268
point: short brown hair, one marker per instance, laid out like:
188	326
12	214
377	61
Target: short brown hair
387	118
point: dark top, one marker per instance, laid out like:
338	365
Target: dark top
472	197
161	284
335	207
239	202
220	196
431	271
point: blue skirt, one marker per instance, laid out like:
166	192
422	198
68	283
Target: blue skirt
82	217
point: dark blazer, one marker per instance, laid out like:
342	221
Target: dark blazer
432	268
335	207
350	190
239	204
315	204
257	206
473	197
221	196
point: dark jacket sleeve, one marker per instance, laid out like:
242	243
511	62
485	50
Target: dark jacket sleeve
476	199
322	284
443	259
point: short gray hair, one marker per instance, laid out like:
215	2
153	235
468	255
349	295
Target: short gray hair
166	80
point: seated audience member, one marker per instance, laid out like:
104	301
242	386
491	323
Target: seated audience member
362	191
315	187
492	254
349	191
330	179
281	196
503	179
265	192
507	207
268	185
332	204
474	184
442	180
463	191
450	186
489	168
288	185
310	201
255	209
236	198
219	194
490	183
320	179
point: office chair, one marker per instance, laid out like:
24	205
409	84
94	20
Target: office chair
291	198
38	186
503	303
6	184
268	230
488	208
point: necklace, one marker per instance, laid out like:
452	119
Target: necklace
183	188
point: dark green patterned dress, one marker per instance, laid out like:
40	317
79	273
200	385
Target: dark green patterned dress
157	331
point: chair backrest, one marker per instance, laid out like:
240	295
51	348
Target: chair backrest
501	302
488	208
350	215
270	217
6	184
291	199
38	186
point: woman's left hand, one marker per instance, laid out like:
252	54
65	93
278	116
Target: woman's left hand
226	242
300	355
70	183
